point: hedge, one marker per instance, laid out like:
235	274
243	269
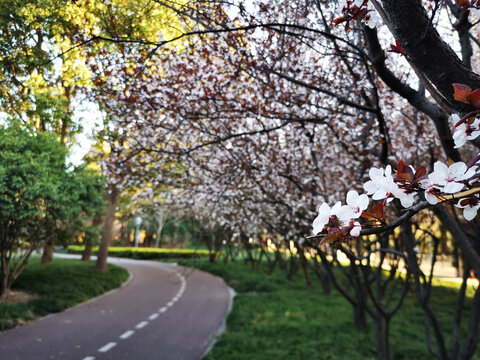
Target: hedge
145	253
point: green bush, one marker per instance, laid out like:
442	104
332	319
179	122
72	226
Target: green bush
145	253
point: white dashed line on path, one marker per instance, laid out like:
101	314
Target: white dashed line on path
89	358
141	325
153	316
162	310
127	334
107	347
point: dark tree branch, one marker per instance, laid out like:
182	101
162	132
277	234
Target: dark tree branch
415	98
429	53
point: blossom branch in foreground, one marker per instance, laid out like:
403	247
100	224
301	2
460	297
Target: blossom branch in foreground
444	184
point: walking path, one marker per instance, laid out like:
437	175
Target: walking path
163	312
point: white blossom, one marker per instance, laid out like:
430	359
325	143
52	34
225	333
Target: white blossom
429	191
322	219
355	232
355	205
449	178
381	185
324	214
465	131
470	207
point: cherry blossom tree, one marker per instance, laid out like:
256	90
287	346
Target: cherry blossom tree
276	109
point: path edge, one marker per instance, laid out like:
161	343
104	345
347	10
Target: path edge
223	325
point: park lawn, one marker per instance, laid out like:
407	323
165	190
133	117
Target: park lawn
57	286
273	318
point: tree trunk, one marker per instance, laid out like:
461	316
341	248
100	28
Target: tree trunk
4	273
113	199
160	218
87	252
47	255
382	341
423	46
422	294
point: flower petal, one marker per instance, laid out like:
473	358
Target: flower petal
363	202
469	213
355	232
370	187
432	199
458	169
336	208
352	197
453	187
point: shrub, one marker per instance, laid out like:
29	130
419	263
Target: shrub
145	253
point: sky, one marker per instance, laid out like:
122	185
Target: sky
89	116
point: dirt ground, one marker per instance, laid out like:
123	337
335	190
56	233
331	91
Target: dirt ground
16	296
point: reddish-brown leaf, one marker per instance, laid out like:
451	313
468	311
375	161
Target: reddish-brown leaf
369	216
463	3
397	48
474	98
421	172
461	93
405	176
378	210
339	20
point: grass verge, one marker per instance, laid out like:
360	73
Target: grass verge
145	253
59	285
273	318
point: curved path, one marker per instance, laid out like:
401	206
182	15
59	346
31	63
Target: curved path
163	312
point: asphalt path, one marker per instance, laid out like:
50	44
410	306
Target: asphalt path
163	312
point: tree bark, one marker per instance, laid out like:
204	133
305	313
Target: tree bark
423	294
414	97
47	255
107	233
4	273
87	252
382	338
423	46
471	257
160	218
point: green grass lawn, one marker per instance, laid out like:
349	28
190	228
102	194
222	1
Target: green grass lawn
59	285
273	318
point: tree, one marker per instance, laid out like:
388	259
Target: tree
248	73
79	209
115	56
213	93
32	169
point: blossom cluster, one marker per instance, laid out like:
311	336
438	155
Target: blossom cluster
351	10
457	183
406	185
